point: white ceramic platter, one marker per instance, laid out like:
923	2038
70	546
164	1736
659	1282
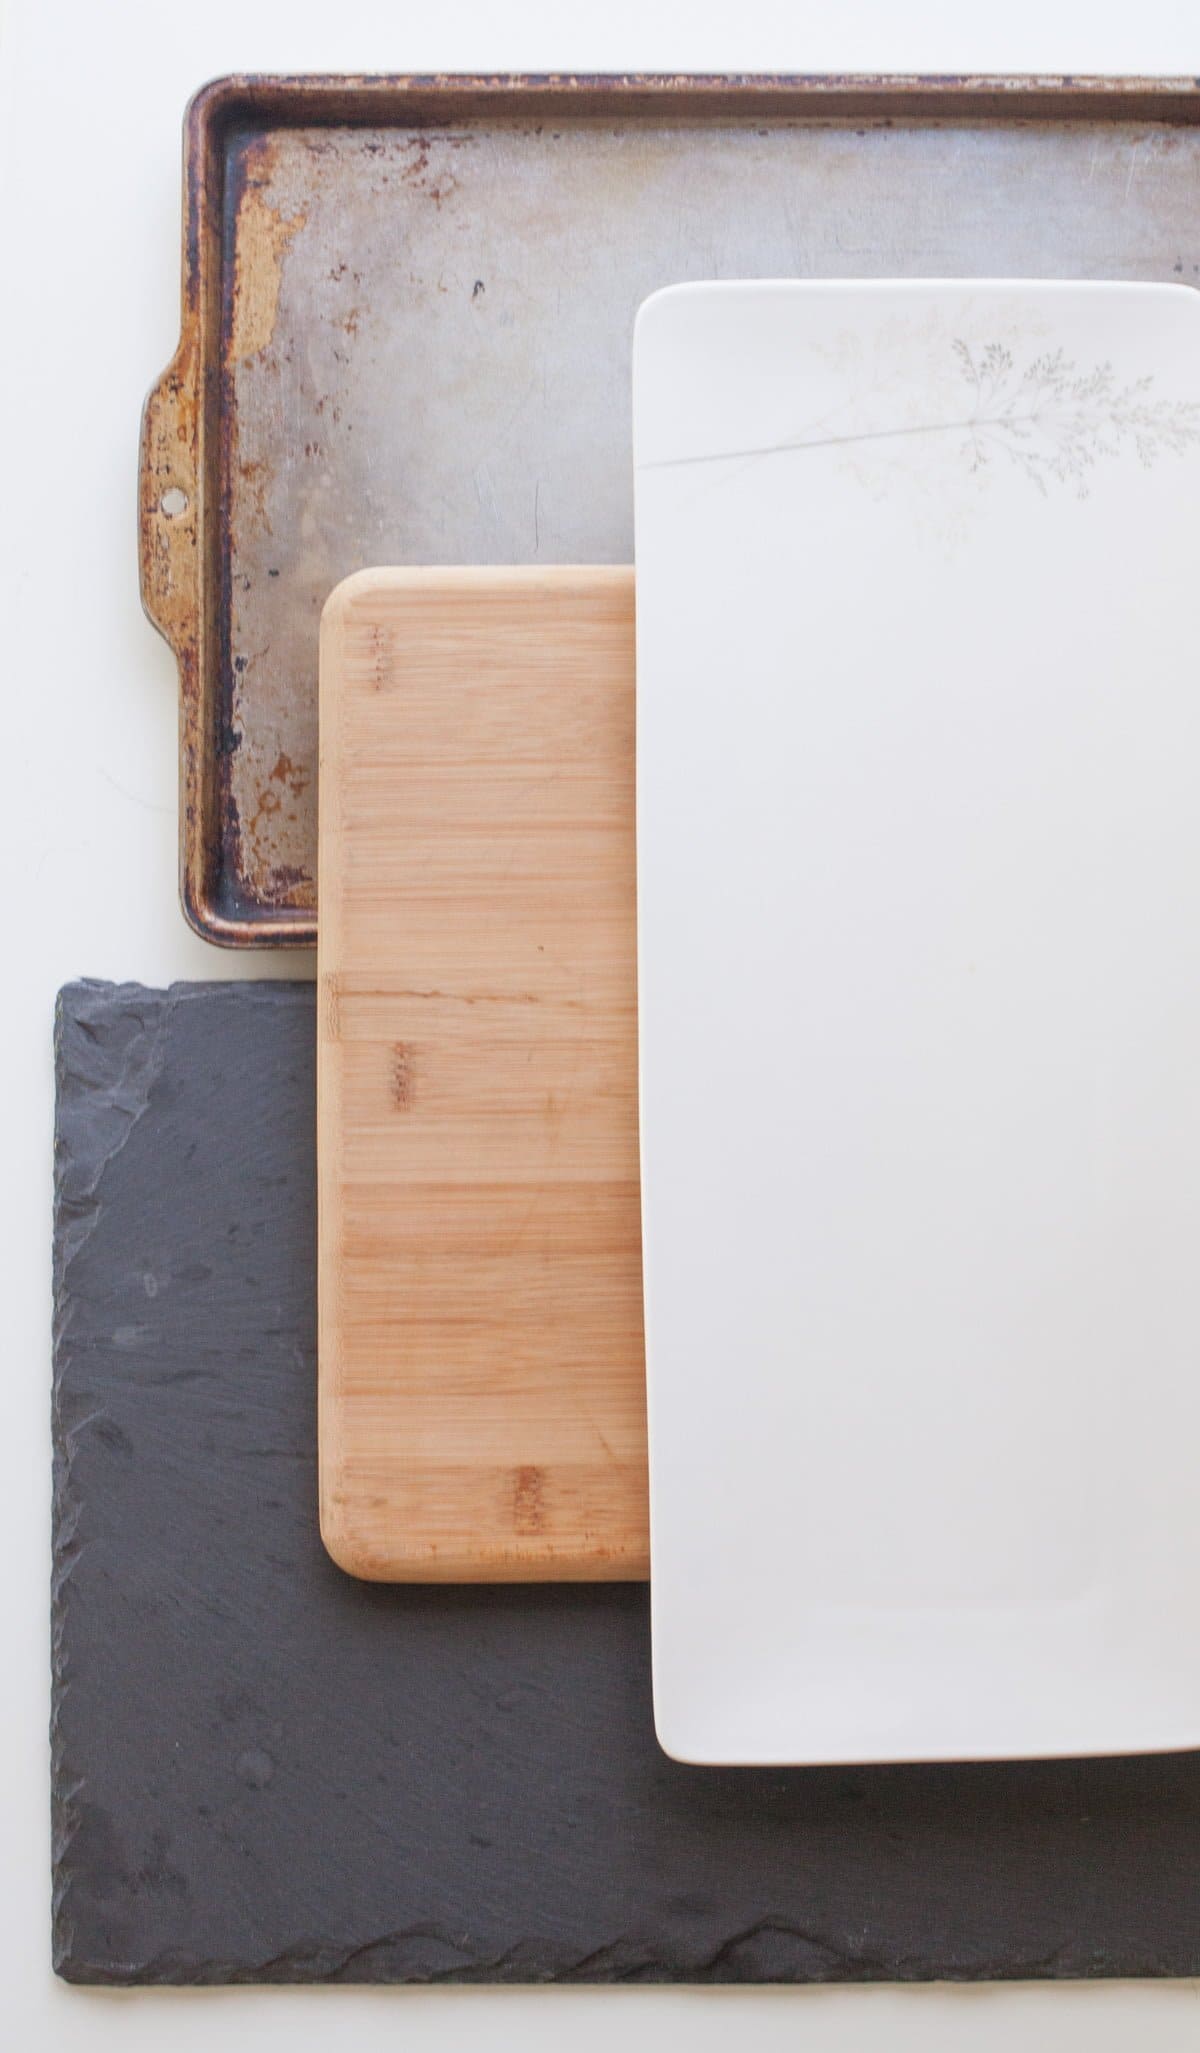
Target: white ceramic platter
919	937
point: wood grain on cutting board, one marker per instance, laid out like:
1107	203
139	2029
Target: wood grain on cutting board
482	1401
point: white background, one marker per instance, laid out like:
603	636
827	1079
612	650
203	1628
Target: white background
91	97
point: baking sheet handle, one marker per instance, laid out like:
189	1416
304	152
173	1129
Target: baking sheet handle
170	563
169	504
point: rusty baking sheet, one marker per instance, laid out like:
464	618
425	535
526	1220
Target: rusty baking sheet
407	310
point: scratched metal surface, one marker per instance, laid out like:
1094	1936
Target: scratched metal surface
427	342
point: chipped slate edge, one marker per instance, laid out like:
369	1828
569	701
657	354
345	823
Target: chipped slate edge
114	1076
83	1148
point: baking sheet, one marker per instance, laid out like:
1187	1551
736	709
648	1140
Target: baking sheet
408	315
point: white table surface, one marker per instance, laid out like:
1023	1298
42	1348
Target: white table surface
91	96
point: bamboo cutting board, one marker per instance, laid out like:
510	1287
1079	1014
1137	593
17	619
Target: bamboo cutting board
482	1405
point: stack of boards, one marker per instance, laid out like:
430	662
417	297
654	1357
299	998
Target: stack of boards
914	1027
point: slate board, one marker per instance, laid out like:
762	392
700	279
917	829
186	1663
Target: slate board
263	1771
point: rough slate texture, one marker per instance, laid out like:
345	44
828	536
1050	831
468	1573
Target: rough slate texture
266	1772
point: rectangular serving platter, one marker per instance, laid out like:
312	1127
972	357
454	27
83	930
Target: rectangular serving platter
407	316
919	1116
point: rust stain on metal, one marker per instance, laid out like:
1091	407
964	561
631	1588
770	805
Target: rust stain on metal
255	478
264	237
436	185
266	821
265	831
289	773
168	510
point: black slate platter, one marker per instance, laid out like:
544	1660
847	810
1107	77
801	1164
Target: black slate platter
264	1771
